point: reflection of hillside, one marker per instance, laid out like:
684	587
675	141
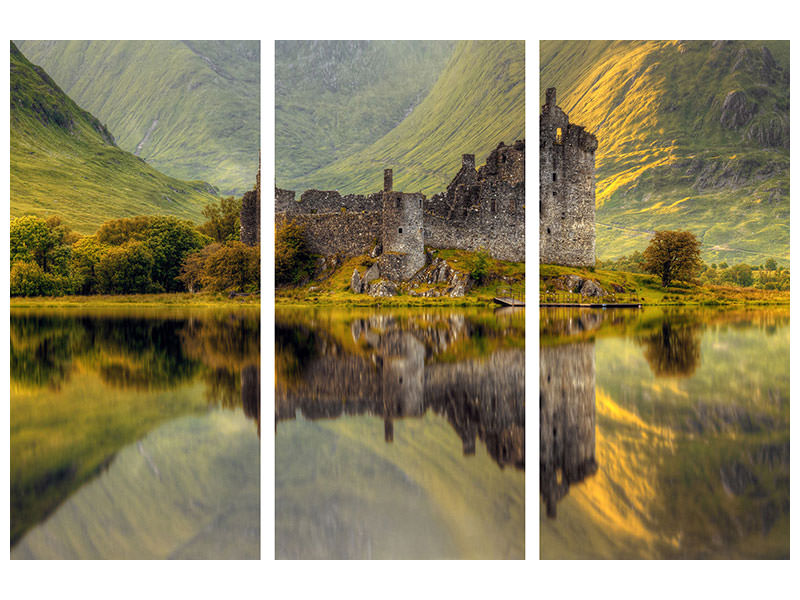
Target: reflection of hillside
84	386
566	419
391	370
692	455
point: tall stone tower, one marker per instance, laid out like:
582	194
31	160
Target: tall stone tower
566	189
401	232
250	215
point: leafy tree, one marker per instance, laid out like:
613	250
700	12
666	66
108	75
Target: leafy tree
479	266
770	265
741	275
233	266
116	232
170	240
673	255
127	270
45	242
222	220
28	279
87	253
294	261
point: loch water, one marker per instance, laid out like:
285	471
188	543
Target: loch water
399	433
135	433
664	433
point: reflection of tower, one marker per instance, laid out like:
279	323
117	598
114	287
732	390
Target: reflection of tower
403	377
566	419
251	393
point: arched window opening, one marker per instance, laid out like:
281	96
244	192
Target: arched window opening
558	135
554	177
400	230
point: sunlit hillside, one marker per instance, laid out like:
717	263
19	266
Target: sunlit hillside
191	109
692	135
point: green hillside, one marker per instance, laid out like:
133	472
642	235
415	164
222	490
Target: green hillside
190	109
477	101
334	98
64	162
692	135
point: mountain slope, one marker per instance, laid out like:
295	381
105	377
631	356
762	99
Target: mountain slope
692	135
333	98
477	102
64	162
190	109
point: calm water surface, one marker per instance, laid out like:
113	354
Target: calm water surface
400	434
135	434
664	433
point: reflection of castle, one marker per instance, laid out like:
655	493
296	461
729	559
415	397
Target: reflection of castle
482	399
566	419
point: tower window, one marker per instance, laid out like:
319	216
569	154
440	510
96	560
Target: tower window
548	230
400	230
554	177
558	135
494	206
420	202
554	192
398	202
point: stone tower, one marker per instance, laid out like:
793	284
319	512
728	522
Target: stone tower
250	215
566	189
401	233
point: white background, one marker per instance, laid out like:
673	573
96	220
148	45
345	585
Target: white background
310	19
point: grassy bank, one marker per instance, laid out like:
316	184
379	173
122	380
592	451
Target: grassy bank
646	289
214	300
333	288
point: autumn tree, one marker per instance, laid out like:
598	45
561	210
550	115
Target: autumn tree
673	255
294	261
222	220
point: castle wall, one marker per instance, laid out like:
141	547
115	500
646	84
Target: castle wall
345	234
317	201
566	189
250	214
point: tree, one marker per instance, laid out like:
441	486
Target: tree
222	220
45	242
233	266
742	275
673	255
770	265
170	240
479	266
87	253
126	270
293	258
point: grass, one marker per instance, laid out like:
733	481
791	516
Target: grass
477	102
647	288
64	162
205	96
664	160
203	299
335	287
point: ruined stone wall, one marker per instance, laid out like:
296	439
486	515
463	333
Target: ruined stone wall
317	201
566	189
483	209
566	419
250	215
345	234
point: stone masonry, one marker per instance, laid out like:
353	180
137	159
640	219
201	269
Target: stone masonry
483	208
566	189
250	216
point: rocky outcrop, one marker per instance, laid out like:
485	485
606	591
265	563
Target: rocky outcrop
448	282
737	110
576	284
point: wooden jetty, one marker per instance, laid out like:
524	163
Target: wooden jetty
508	301
598	305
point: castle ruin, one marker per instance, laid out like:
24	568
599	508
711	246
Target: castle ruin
483	208
250	215
566	189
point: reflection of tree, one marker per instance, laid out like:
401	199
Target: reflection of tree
566	419
672	350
